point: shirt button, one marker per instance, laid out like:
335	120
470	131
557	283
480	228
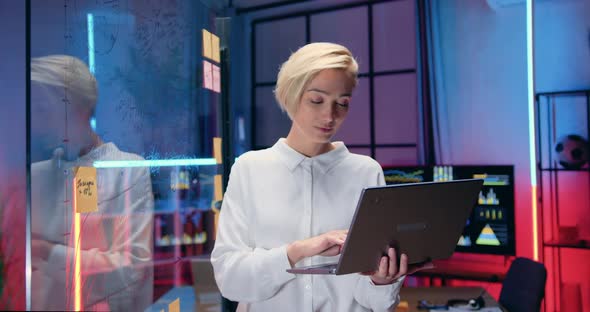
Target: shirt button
308	287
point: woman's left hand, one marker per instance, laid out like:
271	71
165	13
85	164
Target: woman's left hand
388	271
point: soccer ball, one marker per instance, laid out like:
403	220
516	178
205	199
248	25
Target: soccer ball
572	151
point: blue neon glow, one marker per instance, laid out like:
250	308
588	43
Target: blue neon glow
155	163
93	123
531	90
90	21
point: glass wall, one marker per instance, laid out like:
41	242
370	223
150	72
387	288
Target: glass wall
125	155
12	155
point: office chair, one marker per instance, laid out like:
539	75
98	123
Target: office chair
523	288
204	285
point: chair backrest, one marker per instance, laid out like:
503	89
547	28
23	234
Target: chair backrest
523	288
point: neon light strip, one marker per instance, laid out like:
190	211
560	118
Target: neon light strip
155	163
531	102
91	65
90	21
77	277
93	123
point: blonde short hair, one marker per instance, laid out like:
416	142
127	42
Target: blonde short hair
303	65
64	73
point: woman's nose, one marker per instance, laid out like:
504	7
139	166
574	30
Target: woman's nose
329	113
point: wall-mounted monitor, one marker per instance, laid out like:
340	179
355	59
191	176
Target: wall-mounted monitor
490	228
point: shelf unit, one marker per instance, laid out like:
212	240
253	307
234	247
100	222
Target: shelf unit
561	113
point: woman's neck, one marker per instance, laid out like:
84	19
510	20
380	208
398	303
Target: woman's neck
93	142
80	146
309	149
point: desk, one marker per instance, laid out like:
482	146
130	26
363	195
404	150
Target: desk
440	295
209	302
437	295
186	294
447	269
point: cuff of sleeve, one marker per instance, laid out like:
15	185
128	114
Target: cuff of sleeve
388	293
277	258
399	282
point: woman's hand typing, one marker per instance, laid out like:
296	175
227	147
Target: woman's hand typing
327	244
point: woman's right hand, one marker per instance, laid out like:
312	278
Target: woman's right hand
327	244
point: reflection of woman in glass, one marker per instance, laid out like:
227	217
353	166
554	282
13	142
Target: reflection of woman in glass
289	205
115	241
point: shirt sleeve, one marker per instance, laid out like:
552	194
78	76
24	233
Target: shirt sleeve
377	297
380	177
244	273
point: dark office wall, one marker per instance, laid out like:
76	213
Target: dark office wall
384	33
562	62
484	92
562	45
484	72
483	53
12	87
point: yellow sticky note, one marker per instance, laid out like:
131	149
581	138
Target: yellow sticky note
215	207
215	48
174	306
85	190
217	186
217	150
206	44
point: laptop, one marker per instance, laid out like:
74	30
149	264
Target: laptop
423	220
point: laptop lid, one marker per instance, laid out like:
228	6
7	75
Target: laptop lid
422	220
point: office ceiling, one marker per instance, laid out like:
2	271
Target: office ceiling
251	4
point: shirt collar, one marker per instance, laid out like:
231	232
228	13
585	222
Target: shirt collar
324	162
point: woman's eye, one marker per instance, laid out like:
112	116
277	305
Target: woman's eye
316	101
343	105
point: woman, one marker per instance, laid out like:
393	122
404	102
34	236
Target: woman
289	205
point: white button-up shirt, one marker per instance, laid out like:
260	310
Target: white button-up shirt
276	196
